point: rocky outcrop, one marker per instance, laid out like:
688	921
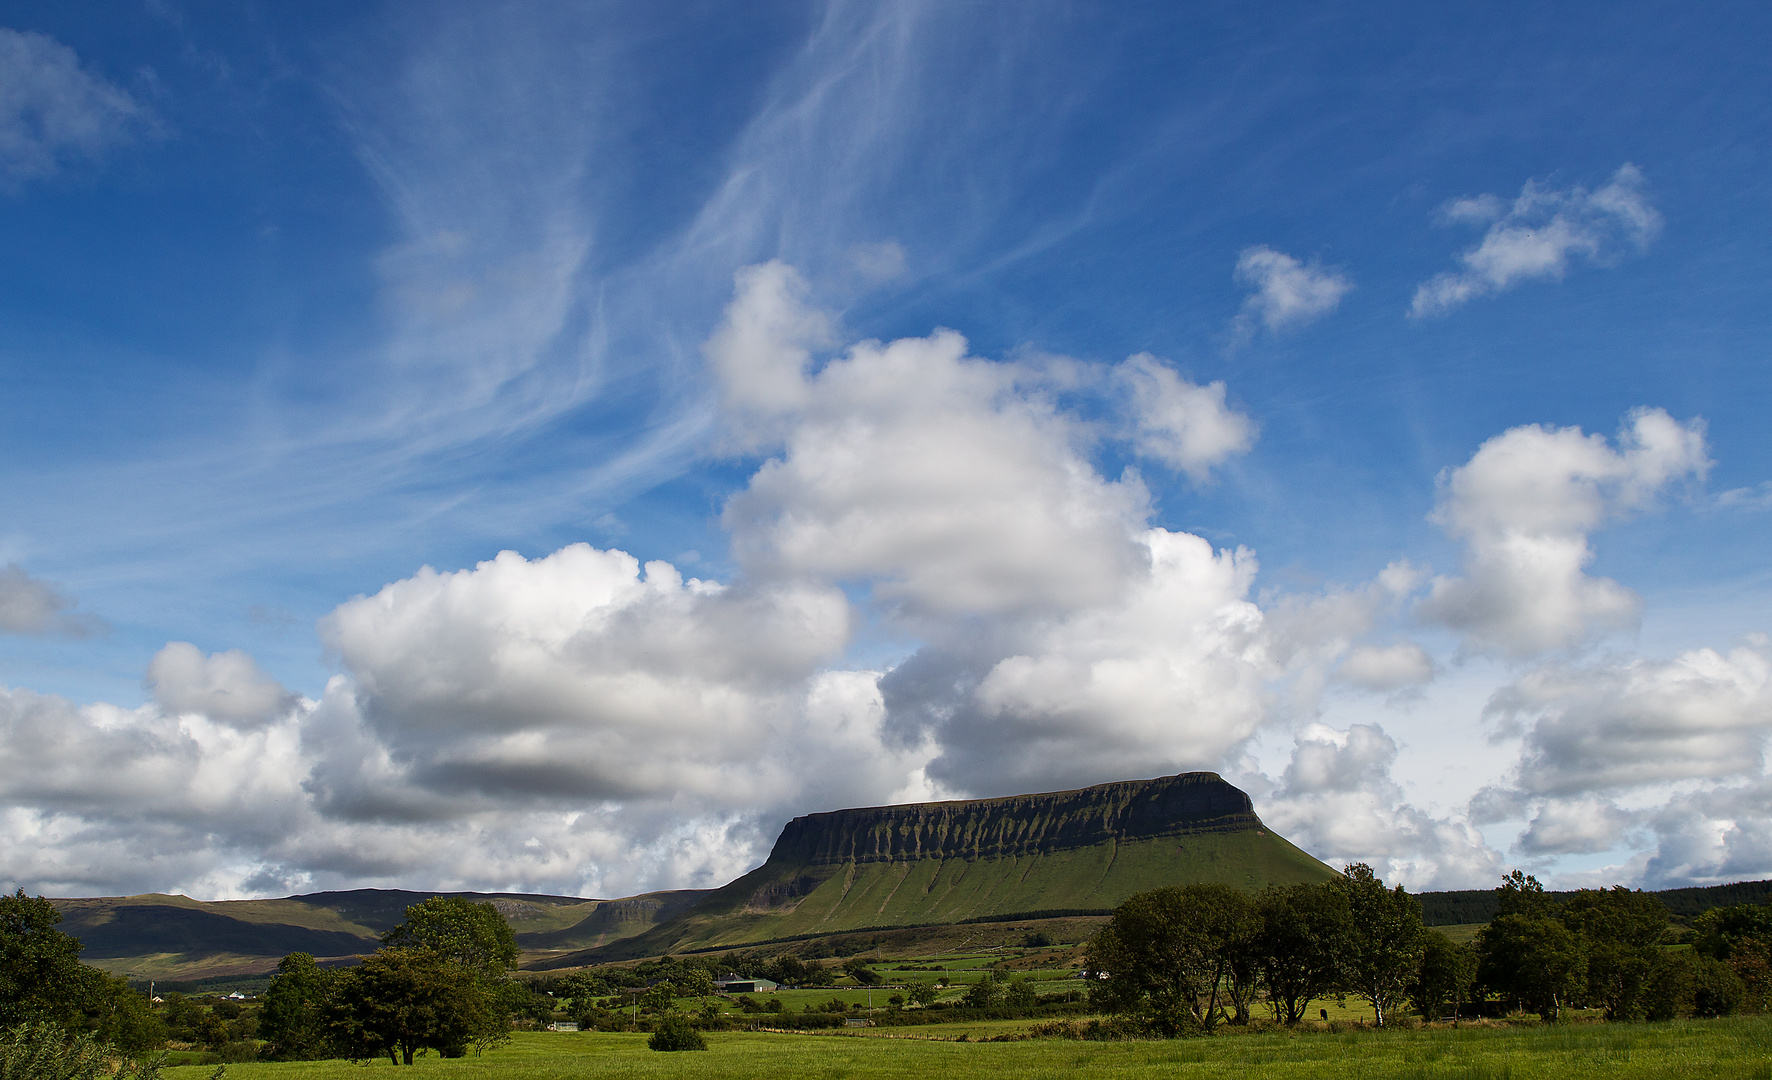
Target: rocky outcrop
1187	804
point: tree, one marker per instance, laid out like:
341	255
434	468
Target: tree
924	993
1384	940
985	992
41	977
1020	994
407	1000
858	969
1741	936
1166	955
1526	954
693	982
1303	934
474	936
1619	930
790	970
1444	980
293	1019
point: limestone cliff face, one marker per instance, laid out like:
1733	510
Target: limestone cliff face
1018	825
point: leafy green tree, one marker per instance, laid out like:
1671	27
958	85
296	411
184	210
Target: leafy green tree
1619	930
1443	982
1526	955
293	1020
1166	954
406	1000
1020	994
693	982
924	993
1741	936
1303	934
41	977
660	998
790	970
1384	942
984	993
858	969
471	935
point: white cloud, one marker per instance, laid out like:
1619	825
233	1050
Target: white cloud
1170	678
1575	826
762	348
1613	726
226	686
1387	668
951	484
1183	425
1539	235
52	110
1524	506
33	606
1338	800
1288	294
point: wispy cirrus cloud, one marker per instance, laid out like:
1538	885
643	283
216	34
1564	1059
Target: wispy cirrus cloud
1539	235
53	110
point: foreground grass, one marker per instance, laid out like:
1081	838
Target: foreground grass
1711	1049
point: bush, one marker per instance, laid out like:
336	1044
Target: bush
43	1051
676	1033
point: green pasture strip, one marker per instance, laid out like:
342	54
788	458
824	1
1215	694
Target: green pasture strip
1737	1047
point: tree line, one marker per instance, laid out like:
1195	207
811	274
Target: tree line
1186	959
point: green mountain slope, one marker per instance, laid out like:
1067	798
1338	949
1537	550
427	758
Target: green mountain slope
932	863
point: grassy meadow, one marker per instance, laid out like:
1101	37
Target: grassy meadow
1711	1049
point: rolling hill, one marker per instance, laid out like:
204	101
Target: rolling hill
164	937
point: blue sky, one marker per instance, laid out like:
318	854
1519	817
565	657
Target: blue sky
301	301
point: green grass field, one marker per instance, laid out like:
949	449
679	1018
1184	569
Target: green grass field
1711	1049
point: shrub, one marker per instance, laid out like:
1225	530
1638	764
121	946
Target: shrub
675	1032
43	1051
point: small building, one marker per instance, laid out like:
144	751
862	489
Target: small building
563	1025
734	983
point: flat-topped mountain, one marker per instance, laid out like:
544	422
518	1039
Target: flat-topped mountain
1184	805
946	862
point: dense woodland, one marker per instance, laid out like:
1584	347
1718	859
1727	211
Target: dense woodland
1185	960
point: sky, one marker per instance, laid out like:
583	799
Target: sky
546	447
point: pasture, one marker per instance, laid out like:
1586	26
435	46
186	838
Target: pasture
1709	1049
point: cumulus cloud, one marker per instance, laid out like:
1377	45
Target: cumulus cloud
1388	667
52	110
951	484
1287	293
1169	678
1183	425
226	686
1339	801
1524	506
33	606
1539	235
1614	726
1574	826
